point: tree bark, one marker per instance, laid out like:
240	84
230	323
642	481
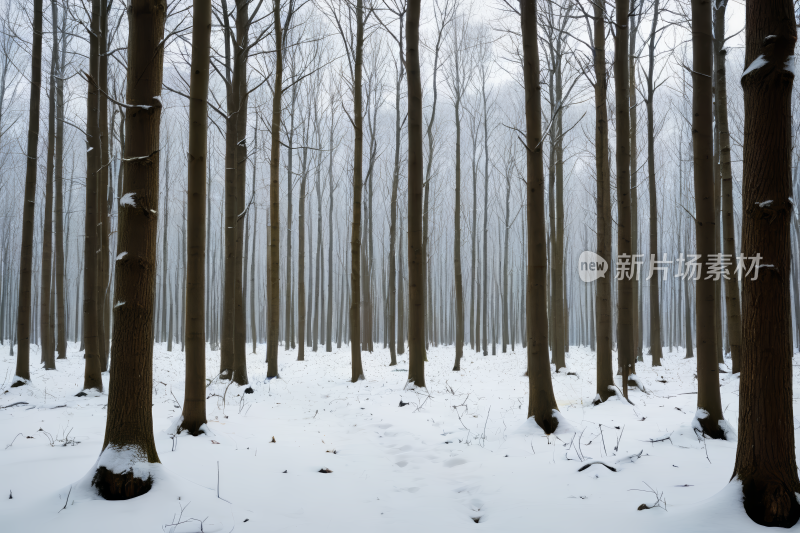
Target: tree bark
624	244
541	402
274	199
732	304
605	378
22	374
355	237
655	307
93	365
709	406
48	342
194	403
59	182
129	445
417	261
765	454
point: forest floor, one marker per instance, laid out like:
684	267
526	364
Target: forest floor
438	460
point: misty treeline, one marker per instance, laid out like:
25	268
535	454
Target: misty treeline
404	174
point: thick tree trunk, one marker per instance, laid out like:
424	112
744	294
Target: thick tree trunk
765	454
541	403
129	447
709	407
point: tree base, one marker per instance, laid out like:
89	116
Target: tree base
773	506
123	486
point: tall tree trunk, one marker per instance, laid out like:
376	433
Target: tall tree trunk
226	361
301	258
459	315
329	318
605	378
59	182
93	365
625	301
765	454
417	261
103	278
288	310
48	342
240	89
273	284
398	130
253	319
22	374
709	406
541	402
732	306
194	403
129	447
355	237
634	113
655	304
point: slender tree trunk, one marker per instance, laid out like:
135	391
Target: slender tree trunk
655	304
129	445
93	365
22	374
48	342
459	315
709	406
541	403
603	307
226	361
59	182
732	306
417	261
194	403
355	237
765	454
240	89
329	318
301	260
253	319
273	285
625	285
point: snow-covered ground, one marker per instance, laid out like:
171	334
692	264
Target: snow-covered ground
459	453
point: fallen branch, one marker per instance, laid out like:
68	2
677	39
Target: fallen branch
587	465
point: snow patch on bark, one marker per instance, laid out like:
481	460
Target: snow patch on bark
127	200
121	459
120	256
757	63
